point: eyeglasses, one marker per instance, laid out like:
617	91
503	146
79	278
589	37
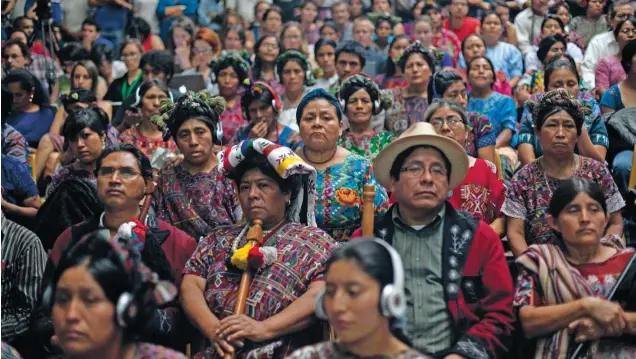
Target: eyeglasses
416	171
627	32
622	16
451	122
270	46
459	4
129	56
202	50
124	172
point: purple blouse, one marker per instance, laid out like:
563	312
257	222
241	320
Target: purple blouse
609	72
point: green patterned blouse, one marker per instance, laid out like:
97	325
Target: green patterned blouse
368	145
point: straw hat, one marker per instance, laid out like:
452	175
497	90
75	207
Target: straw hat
421	133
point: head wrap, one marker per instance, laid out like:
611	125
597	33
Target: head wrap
285	162
127	244
354	82
553	102
305	64
314	95
201	105
234	60
430	56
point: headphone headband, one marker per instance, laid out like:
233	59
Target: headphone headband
396	263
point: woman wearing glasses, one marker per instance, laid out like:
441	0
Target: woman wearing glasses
126	85
481	193
205	48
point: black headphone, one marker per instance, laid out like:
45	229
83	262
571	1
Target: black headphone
392	299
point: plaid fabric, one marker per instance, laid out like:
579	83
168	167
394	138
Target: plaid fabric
40	66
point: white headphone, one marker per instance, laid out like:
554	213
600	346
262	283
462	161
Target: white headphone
392	298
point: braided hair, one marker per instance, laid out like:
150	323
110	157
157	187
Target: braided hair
201	106
355	82
234	60
417	48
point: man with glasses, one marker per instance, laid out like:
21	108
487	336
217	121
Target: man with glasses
605	44
458	285
459	22
124	178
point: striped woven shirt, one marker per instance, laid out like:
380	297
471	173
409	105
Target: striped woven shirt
23	260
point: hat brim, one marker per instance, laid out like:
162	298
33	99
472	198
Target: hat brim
455	153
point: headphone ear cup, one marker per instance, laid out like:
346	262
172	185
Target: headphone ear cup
393	302
47	297
320	306
123	309
218	132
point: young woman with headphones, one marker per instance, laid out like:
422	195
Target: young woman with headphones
145	135
194	196
365	303
261	106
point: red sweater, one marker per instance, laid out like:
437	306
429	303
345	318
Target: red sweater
470	27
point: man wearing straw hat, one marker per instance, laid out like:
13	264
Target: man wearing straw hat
459	289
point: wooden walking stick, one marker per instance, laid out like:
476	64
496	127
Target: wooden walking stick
145	208
255	236
368	211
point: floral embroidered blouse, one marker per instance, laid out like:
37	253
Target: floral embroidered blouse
339	202
480	133
196	204
500	110
302	252
366	145
145	144
231	120
531	190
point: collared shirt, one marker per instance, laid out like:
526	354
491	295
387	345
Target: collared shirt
23	260
600	46
528	28
429	323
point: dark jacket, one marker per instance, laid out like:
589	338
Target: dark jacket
480	300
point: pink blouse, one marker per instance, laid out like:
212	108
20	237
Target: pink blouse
609	72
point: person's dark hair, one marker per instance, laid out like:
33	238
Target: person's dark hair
375	260
396	167
353	48
147	85
28	82
160	60
104	263
7	100
390	66
299	58
142	160
92	71
559	62
17	22
272	9
417	48
330	24
236	62
440	82
291	184
93	118
238	30
491	13
139	29
554	102
15	31
628	53
91	21
258	63
468	66
615	4
24	48
73	51
569	189
195	107
547	42
356	82
555	8
102	53
324	42
263	96
555	18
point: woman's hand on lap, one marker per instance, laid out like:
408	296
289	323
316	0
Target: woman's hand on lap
237	327
609	315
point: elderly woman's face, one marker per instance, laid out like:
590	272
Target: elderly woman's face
83	317
351	302
582	222
447	122
558	134
194	140
457	92
319	125
261	198
564	78
292	38
87	147
625	34
359	107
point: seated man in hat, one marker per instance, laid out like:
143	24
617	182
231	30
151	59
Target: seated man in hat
458	286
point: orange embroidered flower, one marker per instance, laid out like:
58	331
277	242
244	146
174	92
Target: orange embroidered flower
347	197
